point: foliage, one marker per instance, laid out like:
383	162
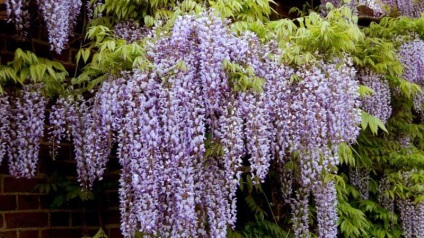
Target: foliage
26	67
148	60
63	190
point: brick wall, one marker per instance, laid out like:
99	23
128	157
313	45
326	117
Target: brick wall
25	212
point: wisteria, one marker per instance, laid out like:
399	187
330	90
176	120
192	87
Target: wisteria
300	211
411	212
409	8
130	31
407	211
419	219
378	103
4	124
360	179
60	17
326	205
319	120
58	130
233	146
80	121
411	55
383	199
160	118
185	130
338	3
91	6
18	13
26	129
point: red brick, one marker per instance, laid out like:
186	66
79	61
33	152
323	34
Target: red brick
1	221
26	219
111	217
8	202
112	199
76	219
4	166
29	234
2	43
9	29
63	233
5	58
70	67
65	56
43	35
28	202
8	234
66	168
91	218
14	185
114	233
42	49
59	219
46	202
35	32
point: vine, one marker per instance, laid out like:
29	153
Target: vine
210	101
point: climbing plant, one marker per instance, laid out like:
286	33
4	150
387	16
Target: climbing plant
228	123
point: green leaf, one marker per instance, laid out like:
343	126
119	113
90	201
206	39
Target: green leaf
373	122
365	91
346	155
100	234
85	53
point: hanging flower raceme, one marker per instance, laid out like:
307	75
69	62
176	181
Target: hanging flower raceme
300	212
58	130
26	117
411	212
129	30
80	123
325	113
60	17
167	111
338	3
383	199
325	107
411	55
160	116
360	179
408	8
5	114
326	208
378	103
407	213
230	132
78	120
18	13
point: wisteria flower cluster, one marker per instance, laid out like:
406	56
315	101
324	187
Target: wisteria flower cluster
378	103
22	127
60	18
411	55
409	8
162	117
411	212
18	13
338	3
4	124
383	199
360	179
129	30
318	125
